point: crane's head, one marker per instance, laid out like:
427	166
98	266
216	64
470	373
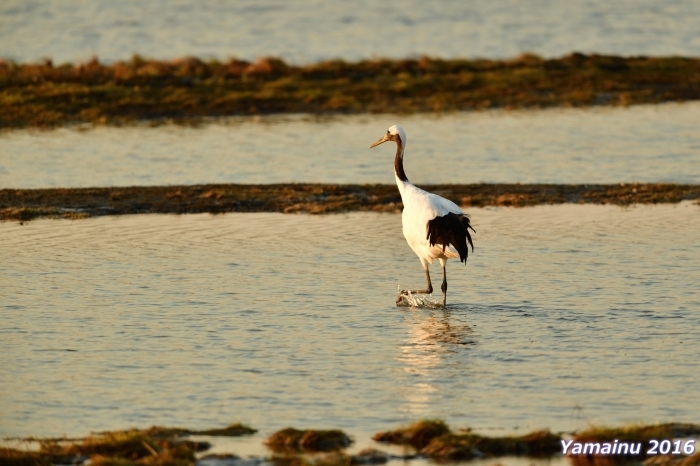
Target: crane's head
396	134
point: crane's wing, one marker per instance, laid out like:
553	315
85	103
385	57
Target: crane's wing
443	206
449	227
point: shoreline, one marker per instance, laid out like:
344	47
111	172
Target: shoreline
44	96
75	203
430	441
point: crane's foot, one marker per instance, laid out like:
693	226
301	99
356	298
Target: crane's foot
402	298
407	292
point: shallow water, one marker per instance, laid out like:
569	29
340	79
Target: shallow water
596	145
564	316
309	30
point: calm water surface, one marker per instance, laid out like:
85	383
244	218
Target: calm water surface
309	30
598	145
564	316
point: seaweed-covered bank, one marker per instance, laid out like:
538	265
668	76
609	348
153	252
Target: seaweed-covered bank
74	203
45	95
426	439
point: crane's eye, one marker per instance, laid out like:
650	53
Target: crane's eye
387	131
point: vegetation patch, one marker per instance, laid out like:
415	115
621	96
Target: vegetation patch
638	432
434	439
292	440
27	204
46	95
418	435
467	445
337	458
156	446
635	434
14	457
131	447
165	446
232	430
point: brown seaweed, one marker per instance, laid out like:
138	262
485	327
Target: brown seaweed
46	95
75	203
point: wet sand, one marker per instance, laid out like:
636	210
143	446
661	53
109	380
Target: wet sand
26	204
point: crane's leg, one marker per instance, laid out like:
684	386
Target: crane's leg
444	282
428	290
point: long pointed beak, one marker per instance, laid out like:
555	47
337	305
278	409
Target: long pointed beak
384	138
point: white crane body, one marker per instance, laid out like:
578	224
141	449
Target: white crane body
434	227
420	207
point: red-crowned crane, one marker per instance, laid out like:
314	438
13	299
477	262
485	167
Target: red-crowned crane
434	227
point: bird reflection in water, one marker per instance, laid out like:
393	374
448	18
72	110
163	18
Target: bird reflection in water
436	339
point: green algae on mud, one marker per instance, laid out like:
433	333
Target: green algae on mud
75	203
44	95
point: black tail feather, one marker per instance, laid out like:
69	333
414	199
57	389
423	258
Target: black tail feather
452	229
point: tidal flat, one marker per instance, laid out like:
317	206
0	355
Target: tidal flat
48	95
427	439
76	203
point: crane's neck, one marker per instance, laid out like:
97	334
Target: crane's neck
401	177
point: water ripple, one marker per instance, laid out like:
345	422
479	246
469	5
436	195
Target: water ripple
280	320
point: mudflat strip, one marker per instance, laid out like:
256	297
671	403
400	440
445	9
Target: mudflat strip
45	95
26	204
